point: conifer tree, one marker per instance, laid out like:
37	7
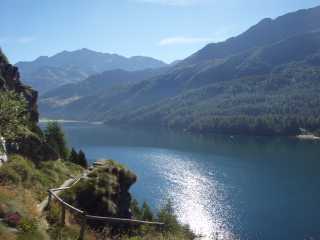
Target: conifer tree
82	160
73	156
146	212
56	139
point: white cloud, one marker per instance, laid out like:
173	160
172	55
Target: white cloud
174	2
25	39
3	40
15	40
184	40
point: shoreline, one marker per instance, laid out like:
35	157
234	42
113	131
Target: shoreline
300	136
45	120
307	137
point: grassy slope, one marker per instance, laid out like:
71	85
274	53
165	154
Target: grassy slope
22	186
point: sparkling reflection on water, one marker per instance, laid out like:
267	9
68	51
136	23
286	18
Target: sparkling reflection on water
199	200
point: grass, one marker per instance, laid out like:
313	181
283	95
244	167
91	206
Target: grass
20	200
22	186
21	172
71	229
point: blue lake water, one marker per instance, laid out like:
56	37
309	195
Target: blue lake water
238	187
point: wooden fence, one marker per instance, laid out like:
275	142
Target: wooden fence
52	194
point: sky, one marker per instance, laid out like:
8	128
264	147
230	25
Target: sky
164	29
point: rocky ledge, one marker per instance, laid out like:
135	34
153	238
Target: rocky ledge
104	191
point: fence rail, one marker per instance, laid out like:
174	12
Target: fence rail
84	217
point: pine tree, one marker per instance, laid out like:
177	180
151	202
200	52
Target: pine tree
74	156
82	160
135	208
146	212
56	139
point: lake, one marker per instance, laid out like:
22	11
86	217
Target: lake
235	186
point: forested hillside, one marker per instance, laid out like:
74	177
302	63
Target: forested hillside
265	81
97	85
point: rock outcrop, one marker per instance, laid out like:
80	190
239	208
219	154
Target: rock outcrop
10	81
32	146
105	191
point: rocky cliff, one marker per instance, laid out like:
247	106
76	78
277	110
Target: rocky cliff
32	146
10	81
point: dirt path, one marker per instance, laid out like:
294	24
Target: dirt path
41	206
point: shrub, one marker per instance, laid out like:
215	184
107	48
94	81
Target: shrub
12	219
3	210
5	234
22	172
13	115
28	225
16	170
172	229
53	215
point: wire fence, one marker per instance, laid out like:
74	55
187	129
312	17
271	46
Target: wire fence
84	217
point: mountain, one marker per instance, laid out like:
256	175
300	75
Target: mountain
264	33
97	85
47	73
265	81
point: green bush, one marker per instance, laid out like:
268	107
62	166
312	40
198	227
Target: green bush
28	225
13	115
16	170
172	228
53	216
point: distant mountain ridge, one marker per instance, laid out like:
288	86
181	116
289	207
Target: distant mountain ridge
47	73
266	32
98	84
265	81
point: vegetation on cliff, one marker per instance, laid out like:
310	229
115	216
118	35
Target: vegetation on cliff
13	121
105	192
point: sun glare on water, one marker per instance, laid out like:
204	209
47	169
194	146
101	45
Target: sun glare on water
198	199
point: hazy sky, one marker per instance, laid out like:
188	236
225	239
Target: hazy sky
164	29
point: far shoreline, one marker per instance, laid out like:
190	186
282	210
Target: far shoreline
46	120
307	137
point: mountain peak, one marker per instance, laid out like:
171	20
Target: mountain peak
46	73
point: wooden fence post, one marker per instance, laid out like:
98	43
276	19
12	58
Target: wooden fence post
63	214
83	226
49	200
